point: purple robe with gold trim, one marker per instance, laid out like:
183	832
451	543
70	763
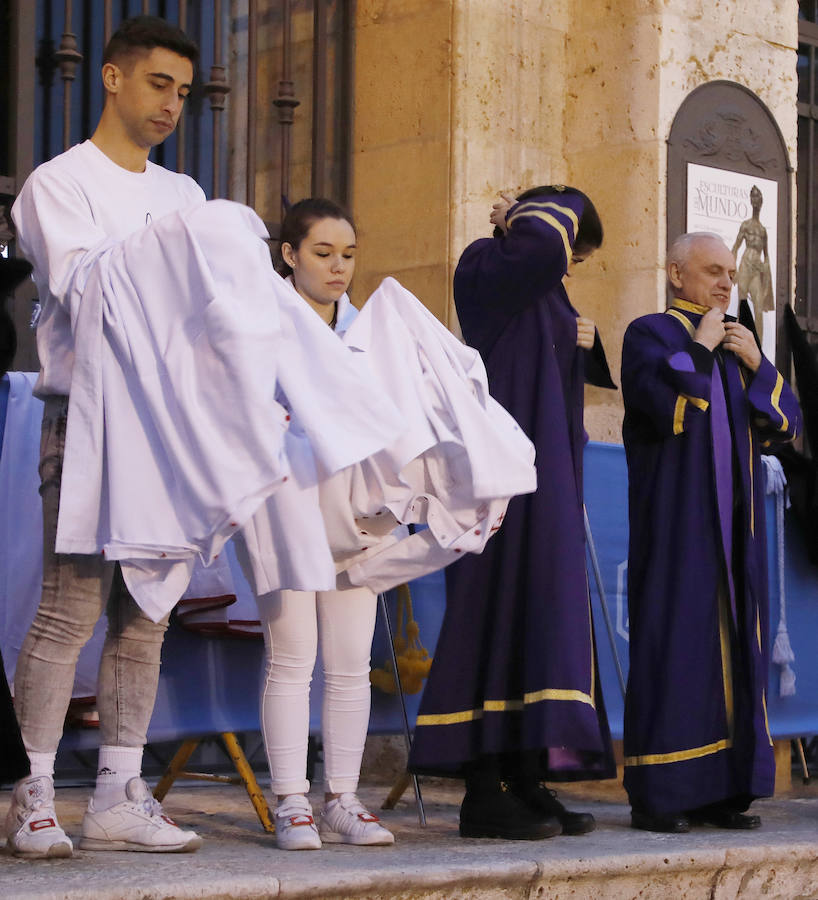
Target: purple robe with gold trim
696	728
515	664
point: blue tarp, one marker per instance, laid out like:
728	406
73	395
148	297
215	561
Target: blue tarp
211	684
607	504
606	499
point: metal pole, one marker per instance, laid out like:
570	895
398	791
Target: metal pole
406	733
343	147
69	58
217	71
799	746
603	602
252	99
319	98
286	103
217	89
180	127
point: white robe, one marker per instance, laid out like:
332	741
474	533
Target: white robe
218	600
175	435
454	467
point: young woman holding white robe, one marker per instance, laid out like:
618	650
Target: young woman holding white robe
451	472
318	245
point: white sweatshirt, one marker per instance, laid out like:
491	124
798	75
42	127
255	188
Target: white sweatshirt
70	209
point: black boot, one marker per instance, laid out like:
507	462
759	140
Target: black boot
730	813
491	810
539	797
666	823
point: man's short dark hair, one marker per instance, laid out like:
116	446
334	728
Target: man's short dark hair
145	33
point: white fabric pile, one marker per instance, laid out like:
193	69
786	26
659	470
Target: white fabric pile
453	468
175	429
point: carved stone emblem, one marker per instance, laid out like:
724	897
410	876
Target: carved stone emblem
728	135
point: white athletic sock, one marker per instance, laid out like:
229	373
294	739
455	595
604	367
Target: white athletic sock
116	767
42	763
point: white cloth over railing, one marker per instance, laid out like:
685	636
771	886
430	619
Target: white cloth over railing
776	483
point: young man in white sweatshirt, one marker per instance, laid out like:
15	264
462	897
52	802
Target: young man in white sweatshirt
71	210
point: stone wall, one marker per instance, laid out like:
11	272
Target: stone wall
402	146
508	106
458	100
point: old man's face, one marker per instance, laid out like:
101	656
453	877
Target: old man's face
706	276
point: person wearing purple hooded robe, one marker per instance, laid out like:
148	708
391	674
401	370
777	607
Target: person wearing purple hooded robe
513	695
701	402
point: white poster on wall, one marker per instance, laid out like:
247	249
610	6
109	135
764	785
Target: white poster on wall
743	210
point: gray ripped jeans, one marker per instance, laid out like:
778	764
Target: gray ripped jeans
75	591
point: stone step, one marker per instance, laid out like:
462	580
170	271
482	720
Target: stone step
240	861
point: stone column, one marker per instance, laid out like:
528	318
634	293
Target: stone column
401	146
454	102
508	106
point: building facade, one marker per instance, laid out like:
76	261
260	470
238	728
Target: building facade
504	95
417	112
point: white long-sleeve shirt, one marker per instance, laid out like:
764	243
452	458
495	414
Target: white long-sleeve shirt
70	210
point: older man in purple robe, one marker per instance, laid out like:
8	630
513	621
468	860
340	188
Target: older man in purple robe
701	402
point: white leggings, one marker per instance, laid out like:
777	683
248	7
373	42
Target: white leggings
291	621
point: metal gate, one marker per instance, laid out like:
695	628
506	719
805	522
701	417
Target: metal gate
268	120
806	270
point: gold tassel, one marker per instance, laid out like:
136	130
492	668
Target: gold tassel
414	661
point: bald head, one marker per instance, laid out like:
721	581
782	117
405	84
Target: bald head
701	268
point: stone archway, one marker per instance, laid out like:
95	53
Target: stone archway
725	126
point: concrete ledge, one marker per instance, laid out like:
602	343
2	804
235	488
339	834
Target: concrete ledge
239	861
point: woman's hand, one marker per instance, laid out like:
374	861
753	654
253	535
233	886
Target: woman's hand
586	333
500	208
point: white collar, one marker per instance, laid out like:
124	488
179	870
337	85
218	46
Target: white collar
345	312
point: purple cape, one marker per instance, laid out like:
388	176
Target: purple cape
515	665
696	727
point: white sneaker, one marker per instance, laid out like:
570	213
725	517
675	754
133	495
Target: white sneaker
295	825
32	829
346	820
137	823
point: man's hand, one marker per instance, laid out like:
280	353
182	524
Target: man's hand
740	340
586	333
710	332
500	208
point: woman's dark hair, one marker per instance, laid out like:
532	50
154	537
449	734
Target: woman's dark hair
8	339
145	33
298	221
589	233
